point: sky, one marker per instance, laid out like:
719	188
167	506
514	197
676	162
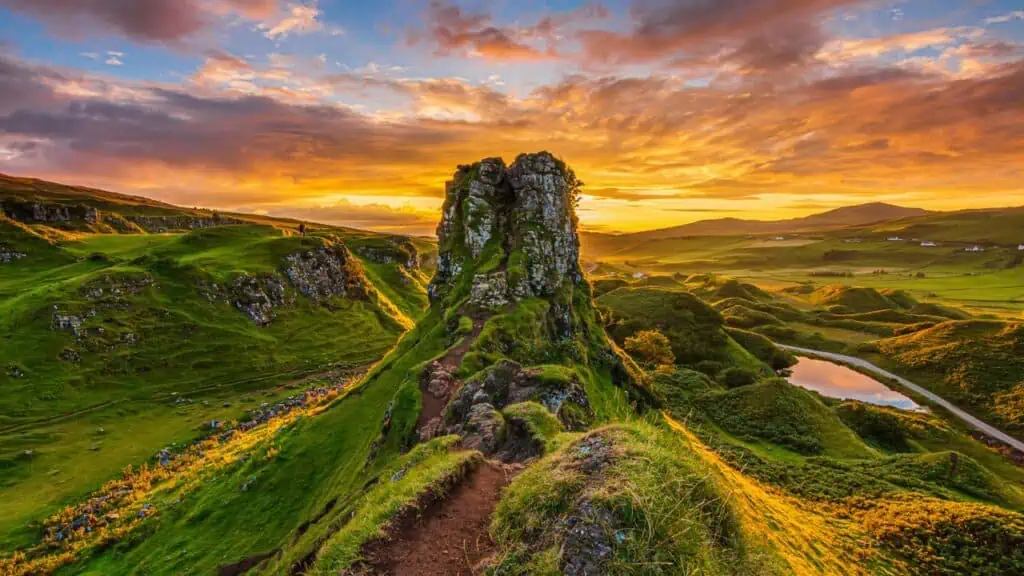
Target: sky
357	112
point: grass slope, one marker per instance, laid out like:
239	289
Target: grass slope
82	403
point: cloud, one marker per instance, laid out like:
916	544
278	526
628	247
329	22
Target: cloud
297	19
380	217
114	58
664	29
1004	18
452	31
152	21
853	132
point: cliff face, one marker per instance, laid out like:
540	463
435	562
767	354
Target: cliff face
508	233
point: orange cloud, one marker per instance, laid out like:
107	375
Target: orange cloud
654	145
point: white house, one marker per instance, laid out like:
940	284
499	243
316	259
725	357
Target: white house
1021	248
974	249
853	240
894	239
779	238
928	244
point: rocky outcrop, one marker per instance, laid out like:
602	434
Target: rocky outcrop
68	215
325	273
518	221
9	255
400	251
508	383
38	212
161	224
258	296
484	429
321	274
116	287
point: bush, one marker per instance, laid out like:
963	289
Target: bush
651	348
738	377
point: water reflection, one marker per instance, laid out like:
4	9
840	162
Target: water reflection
837	381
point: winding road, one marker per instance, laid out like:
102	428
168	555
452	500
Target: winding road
987	429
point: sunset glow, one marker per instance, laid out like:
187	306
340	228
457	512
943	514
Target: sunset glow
670	111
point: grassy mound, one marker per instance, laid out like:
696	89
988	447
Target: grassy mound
777	412
950	470
762	348
618	499
857	299
977	362
936	537
740	316
890	428
930	309
603	286
693	328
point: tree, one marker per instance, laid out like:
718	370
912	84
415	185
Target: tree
302	228
651	348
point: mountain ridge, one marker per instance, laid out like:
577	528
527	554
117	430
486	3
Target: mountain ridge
855	215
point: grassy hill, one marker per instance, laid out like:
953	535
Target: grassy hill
977	362
127	325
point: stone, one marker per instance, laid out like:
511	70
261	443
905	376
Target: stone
431	429
588	542
9	255
325	273
258	296
439	380
490	291
484	429
67	322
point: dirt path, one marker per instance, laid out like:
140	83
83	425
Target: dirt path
433	406
450	538
454	356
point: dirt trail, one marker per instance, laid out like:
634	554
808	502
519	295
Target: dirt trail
450	538
433	406
454	357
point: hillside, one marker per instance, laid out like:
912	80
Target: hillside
128	325
508	433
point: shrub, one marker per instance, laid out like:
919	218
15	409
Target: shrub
651	347
738	377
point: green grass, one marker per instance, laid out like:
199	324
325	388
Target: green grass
320	460
636	490
433	467
778	412
184	345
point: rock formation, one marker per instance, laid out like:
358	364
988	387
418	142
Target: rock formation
513	228
507	235
322	274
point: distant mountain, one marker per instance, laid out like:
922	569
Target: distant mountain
859	215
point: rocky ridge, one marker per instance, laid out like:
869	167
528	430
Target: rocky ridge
508	234
76	215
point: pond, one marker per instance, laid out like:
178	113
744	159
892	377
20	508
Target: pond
838	381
